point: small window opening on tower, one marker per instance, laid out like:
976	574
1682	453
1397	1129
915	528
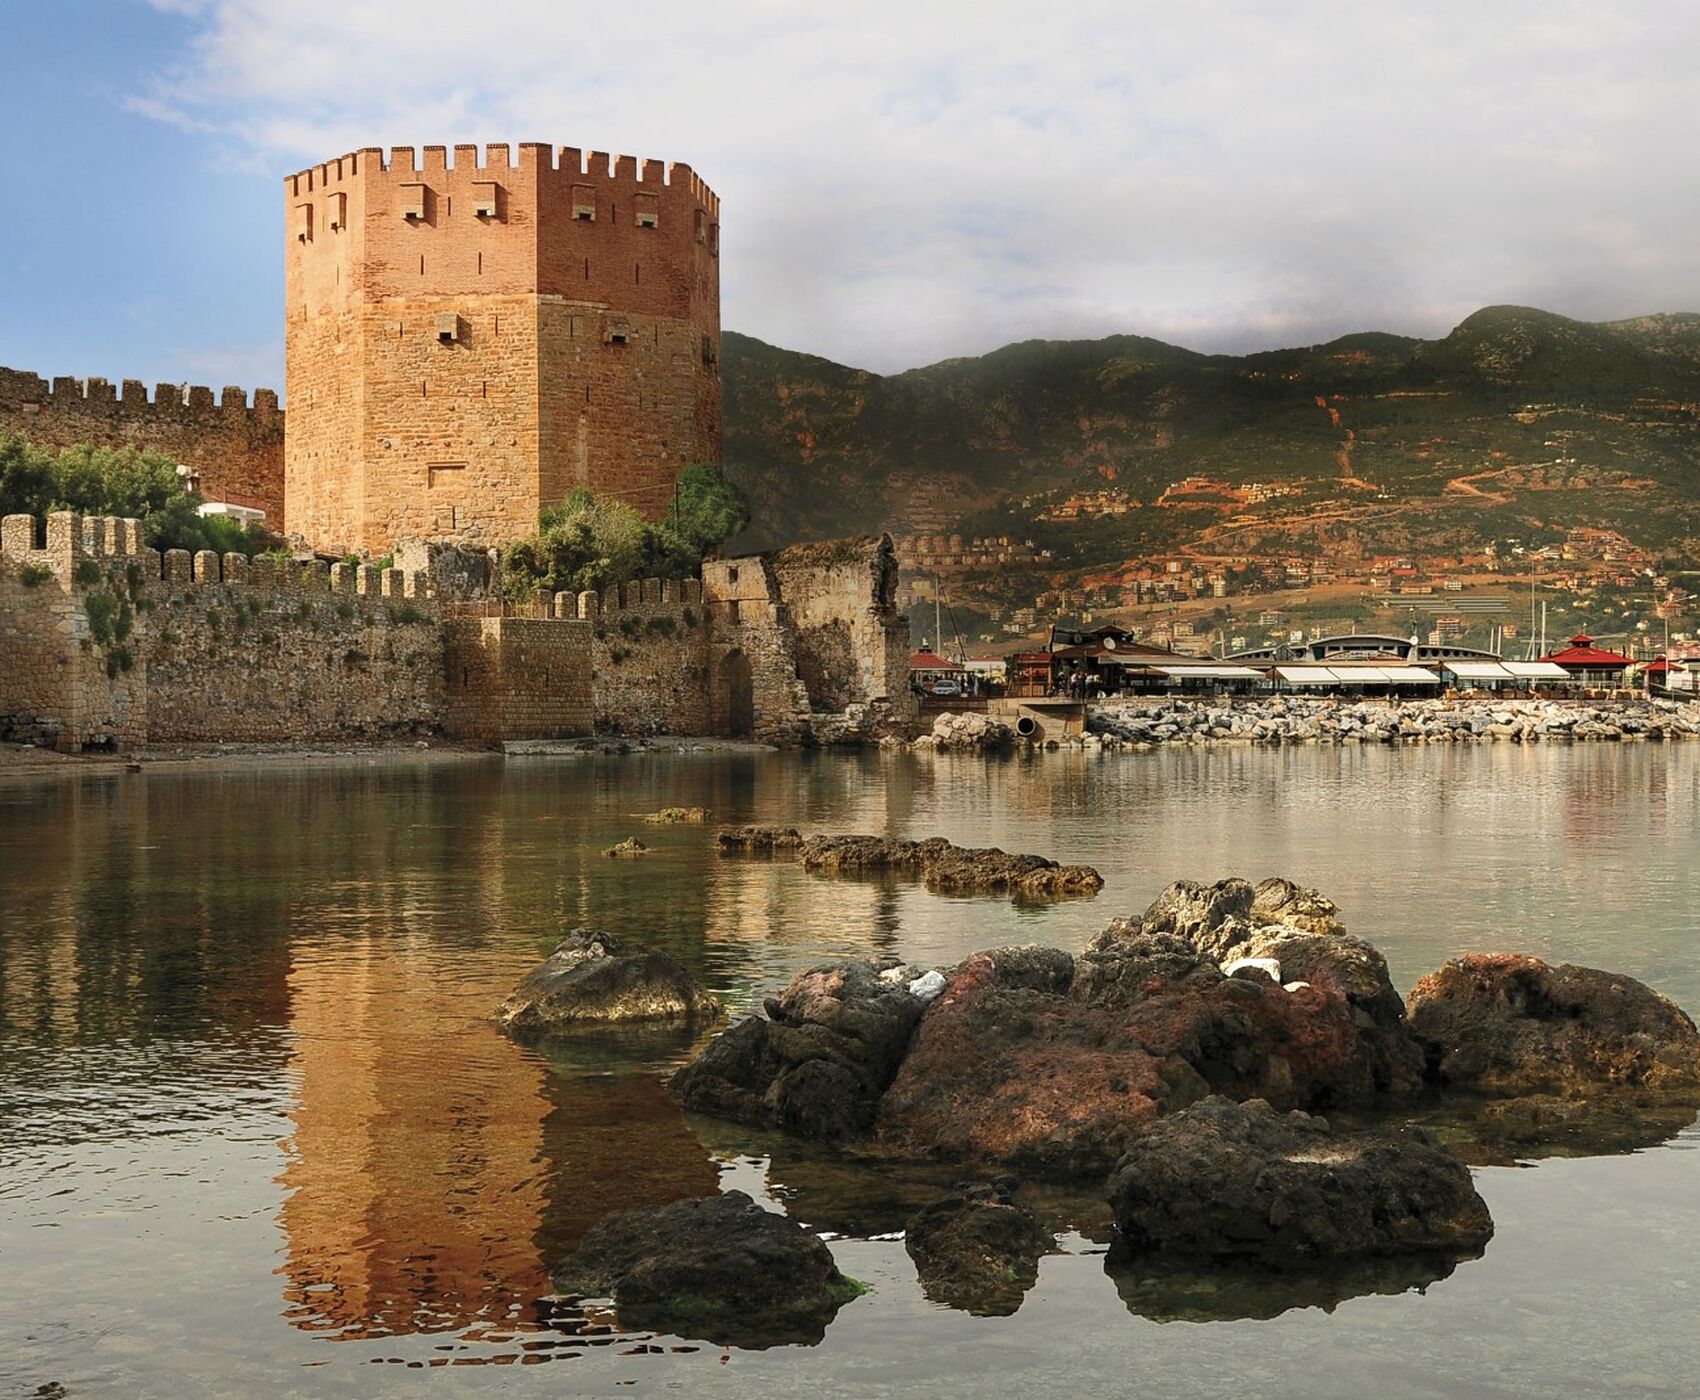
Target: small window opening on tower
339	212
710	355
648	213
619	332
303	223
714	239
702	226
732	577
637	274
584	203
450	328
587	269
413	202
442	474
486	199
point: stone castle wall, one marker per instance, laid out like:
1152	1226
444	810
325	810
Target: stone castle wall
235	448
469	340
110	643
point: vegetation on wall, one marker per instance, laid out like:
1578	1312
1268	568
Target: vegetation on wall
118	481
594	542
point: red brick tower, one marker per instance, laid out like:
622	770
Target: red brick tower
466	344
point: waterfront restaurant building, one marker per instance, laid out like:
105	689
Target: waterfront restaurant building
1591	665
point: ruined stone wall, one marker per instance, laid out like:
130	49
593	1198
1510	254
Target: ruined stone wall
518	678
469	341
852	644
235	449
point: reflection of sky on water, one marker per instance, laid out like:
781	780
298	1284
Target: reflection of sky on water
249	1098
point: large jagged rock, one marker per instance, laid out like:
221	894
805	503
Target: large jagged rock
1000	1071
1191	928
720	1268
819	1060
1008	1073
1240	1181
1506	1024
593	978
978	1249
1197	912
1030	965
1124	964
1278	900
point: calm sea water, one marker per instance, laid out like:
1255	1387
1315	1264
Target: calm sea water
258	1137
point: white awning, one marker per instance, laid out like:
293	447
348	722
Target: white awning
1305	675
1394	674
1210	673
1538	671
1478	670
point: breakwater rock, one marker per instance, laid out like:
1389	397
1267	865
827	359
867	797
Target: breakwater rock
720	1267
1239	1181
1302	720
592	978
944	867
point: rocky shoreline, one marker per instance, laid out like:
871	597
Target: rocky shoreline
1144	724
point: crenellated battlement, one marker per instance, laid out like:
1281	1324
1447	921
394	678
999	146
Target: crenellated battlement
598	167
64	540
22	391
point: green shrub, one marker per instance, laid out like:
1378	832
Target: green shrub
86	573
407	614
345	610
102	610
34	575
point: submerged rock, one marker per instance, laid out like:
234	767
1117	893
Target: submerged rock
1239	1181
1506	1024
680	816
977	1249
944	867
818	1062
720	1268
593	978
757	840
949	868
627	849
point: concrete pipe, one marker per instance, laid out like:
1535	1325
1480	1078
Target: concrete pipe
1027	727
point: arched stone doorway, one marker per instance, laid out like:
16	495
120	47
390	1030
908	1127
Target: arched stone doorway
734	697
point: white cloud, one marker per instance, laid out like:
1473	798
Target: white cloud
907	181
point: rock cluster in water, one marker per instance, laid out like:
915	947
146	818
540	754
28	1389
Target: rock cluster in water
1183	1057
593	978
944	867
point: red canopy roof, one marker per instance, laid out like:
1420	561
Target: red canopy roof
1583	653
932	661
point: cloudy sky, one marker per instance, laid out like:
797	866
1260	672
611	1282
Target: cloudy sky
901	182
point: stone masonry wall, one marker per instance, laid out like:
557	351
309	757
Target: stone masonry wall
517	678
107	642
236	450
650	657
